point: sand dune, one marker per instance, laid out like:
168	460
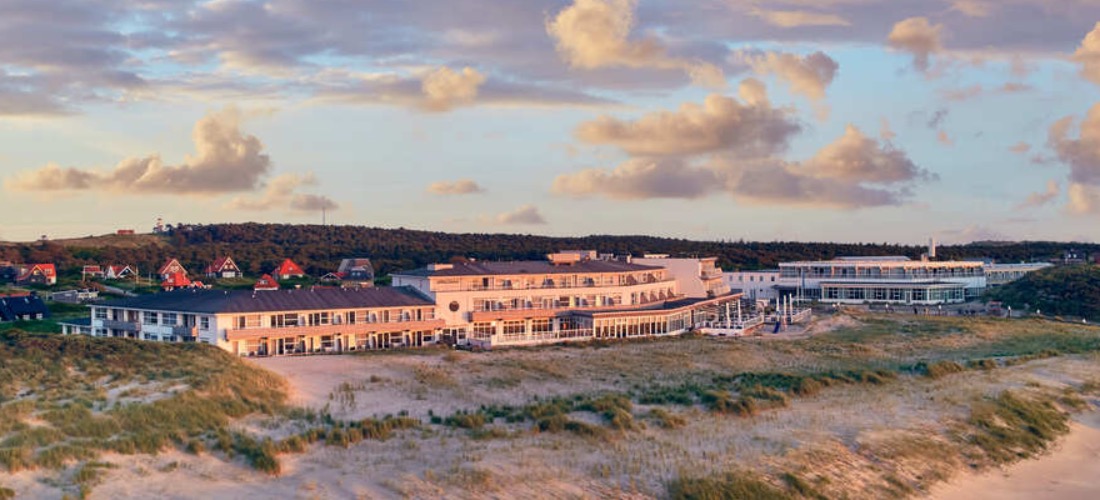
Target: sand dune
1070	472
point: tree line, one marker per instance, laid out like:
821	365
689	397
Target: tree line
259	248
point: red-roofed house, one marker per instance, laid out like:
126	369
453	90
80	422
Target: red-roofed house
170	268
266	282
119	272
288	269
37	274
92	272
176	280
223	268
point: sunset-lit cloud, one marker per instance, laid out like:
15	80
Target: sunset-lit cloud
592	34
281	194
524	215
225	160
919	37
461	186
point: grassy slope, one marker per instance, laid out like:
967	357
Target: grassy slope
1061	291
64	400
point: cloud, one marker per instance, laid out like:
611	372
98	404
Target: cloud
445	88
639	178
1088	55
592	34
1020	148
938	117
526	214
799	18
719	124
281	194
807	75
225	160
978	90
918	37
858	158
885	132
944	139
461	186
1042	198
1083	198
853	172
1081	154
973	8
451	92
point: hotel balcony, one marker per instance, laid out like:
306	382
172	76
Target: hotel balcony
548	285
126	326
326	330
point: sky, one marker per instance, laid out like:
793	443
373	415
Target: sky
812	120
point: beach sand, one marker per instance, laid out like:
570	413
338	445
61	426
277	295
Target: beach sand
1071	471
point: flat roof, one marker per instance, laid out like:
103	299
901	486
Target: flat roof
882	263
536	267
248	301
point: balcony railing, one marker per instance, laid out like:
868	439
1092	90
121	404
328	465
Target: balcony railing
185	331
544	286
127	326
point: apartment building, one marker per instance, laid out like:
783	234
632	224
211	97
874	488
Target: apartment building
276	322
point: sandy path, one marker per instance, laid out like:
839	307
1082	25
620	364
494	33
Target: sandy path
1070	472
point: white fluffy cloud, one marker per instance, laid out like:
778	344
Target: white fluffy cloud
592	34
524	215
807	75
918	37
799	18
720	124
639	178
854	171
445	88
225	160
1088	55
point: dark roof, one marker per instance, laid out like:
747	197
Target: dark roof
529	267
85	321
12	308
246	301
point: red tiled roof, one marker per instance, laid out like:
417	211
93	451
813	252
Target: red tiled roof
164	268
48	270
176	280
220	264
266	282
289	268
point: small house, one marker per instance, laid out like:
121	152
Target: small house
23	307
174	281
119	272
170	269
37	274
223	268
266	282
288	269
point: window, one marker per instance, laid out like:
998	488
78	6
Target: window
453	306
169	319
514	327
284	320
101	313
483	330
541	325
149	318
204	322
317	319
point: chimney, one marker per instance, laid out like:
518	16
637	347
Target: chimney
931	248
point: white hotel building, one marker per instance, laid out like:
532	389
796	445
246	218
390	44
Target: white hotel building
568	297
890	280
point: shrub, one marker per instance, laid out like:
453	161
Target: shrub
941	368
465	420
731	485
667	419
1010	427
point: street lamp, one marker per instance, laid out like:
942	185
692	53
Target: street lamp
1009	311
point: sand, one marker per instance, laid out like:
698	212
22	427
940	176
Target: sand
1070	472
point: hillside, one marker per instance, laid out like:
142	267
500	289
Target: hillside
258	248
1061	291
871	406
